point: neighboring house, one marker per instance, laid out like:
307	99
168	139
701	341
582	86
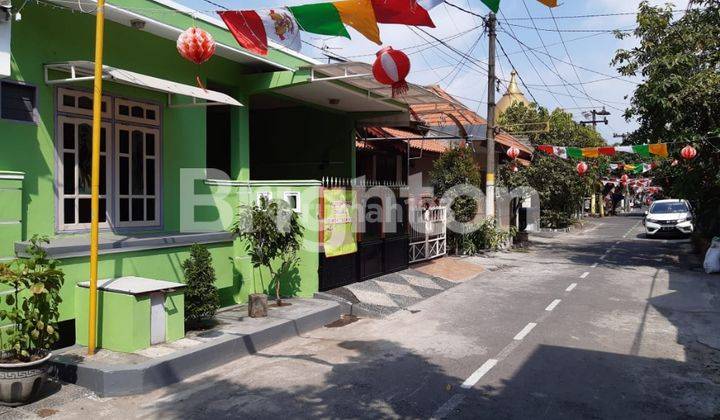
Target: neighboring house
275	129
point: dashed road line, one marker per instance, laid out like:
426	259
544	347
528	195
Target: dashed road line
478	374
552	305
571	287
594	265
585	274
525	331
448	407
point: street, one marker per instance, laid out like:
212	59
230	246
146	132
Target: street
596	323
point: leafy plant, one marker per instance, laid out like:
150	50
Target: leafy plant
201	295
32	304
453	168
273	233
678	99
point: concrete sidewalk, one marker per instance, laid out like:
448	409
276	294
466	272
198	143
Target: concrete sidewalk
388	294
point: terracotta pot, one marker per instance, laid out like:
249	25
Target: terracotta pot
21	383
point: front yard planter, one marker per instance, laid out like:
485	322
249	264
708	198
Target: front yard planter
21	383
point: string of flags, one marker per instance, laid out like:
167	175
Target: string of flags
646	150
253	28
634	168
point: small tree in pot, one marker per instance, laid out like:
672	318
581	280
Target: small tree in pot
272	232
201	296
32	313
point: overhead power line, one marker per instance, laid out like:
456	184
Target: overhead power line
567	53
519	76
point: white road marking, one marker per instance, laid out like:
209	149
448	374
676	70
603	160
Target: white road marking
603	257
585	274
607	251
553	304
448	407
571	287
478	374
617	242
594	265
525	331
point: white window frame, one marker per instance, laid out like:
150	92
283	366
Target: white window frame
77	94
296	194
129	118
61	174
116	175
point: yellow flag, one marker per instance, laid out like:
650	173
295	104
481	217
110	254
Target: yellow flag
659	149
590	152
360	15
549	3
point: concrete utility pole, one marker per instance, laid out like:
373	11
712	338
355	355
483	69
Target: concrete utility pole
594	121
490	133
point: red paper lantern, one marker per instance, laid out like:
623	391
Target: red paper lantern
688	152
581	167
624	179
196	45
513	153
391	67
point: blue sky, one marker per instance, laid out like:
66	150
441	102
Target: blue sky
437	65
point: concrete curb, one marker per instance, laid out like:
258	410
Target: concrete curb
129	379
347	307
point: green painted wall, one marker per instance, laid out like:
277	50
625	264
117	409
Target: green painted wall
11	210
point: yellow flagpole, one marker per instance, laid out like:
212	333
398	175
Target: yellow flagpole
95	182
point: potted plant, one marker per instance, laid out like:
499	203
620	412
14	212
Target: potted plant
31	310
272	233
201	295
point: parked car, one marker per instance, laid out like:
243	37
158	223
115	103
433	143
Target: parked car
669	217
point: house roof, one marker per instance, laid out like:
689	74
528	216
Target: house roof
395	135
441	114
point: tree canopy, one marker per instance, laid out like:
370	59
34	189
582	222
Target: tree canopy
678	100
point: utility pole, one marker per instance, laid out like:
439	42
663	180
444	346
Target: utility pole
490	133
594	121
623	136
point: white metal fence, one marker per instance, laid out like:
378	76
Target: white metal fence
428	233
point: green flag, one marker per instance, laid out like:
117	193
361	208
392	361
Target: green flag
574	152
642	150
319	18
494	5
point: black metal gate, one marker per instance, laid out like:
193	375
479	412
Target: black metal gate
383	242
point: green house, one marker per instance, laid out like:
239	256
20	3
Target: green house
176	160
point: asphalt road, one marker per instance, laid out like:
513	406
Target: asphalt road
602	323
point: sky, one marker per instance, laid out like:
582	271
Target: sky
547	79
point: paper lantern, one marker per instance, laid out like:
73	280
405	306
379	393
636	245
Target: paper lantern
196	45
688	152
513	153
391	67
581	167
624	179
674	162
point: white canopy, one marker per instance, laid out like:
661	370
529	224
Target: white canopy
83	71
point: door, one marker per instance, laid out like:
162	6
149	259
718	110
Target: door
157	318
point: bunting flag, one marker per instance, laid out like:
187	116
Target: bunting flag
360	15
494	5
253	28
549	3
320	18
405	12
646	150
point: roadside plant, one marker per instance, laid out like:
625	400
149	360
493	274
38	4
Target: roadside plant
272	234
201	296
32	306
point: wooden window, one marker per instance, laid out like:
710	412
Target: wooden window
81	103
75	146
138	112
18	102
137	175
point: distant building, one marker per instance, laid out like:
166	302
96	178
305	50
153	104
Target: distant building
511	96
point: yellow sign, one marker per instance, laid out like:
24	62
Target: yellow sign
338	227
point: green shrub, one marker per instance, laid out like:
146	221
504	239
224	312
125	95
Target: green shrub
201	295
33	303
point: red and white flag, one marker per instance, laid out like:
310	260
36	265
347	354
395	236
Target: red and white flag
253	28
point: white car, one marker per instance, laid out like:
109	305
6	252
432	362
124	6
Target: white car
668	217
